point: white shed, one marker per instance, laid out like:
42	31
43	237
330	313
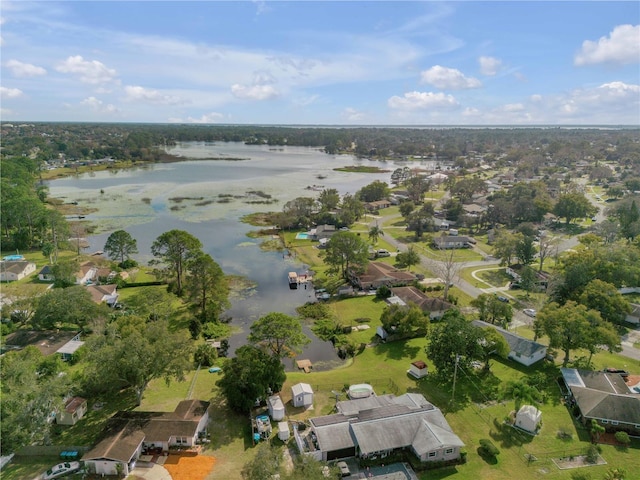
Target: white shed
382	333
528	418
276	408
302	395
418	369
283	431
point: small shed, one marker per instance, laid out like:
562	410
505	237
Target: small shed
276	408
418	369
382	333
302	395
528	418
283	431
74	409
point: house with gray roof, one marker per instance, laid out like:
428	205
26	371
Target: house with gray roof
604	397
432	306
377	426
522	350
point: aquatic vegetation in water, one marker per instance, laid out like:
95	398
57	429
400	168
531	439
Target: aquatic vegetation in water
272	245
241	287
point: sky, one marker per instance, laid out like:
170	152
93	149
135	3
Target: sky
321	63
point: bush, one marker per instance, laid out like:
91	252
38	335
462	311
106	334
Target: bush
128	263
315	311
383	292
487	448
205	355
592	454
623	438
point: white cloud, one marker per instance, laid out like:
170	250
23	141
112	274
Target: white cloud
622	46
536	97
489	65
20	69
99	105
92	72
353	115
422	100
213	117
136	93
6	92
448	78
471	112
512	107
254	92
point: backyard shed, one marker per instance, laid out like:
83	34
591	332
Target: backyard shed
418	369
283	431
276	408
528	418
302	395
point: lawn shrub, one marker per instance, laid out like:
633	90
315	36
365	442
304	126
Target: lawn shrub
487	448
623	438
592	453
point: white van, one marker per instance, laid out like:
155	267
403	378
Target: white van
383	253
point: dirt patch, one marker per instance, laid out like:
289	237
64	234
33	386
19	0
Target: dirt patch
189	466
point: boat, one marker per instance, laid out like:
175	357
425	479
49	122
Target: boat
293	280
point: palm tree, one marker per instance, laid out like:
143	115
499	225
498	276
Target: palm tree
374	233
520	392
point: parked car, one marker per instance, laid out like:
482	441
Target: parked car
344	469
383	253
60	470
503	299
530	312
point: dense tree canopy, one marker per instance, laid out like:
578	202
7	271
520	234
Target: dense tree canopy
71	306
279	334
175	249
346	250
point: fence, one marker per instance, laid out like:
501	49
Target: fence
48	450
380	385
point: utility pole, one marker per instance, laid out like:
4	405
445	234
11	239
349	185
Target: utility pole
455	374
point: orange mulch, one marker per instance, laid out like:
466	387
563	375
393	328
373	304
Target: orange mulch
187	466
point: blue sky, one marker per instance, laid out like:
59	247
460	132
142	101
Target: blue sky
332	62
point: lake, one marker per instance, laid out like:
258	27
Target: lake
207	198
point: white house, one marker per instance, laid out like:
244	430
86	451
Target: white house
418	369
528	418
46	274
276	408
522	350
15	270
302	395
104	293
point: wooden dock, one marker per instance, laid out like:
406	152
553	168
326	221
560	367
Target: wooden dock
304	365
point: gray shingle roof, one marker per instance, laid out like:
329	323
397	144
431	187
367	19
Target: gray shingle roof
517	344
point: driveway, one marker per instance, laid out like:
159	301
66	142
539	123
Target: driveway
150	471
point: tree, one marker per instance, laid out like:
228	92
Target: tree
573	205
70	306
132	352
31	391
175	248
251	375
546	246
596	430
420	221
521	392
525	249
374	234
279	334
207	287
404	321
265	464
417	186
377	190
351	209
447	268
120	246
505	246
572	326
492	343
329	199
152	303
409	258
346	250
406	208
451	338
467	187
64	273
605	298
492	310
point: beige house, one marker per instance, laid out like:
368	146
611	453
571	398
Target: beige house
11	271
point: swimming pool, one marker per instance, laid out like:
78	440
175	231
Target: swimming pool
302	236
13	258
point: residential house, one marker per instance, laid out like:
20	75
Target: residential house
474	209
74	409
522	350
302	395
515	272
447	242
104	293
634	315
46	274
377	205
86	274
47	342
67	350
434	307
129	434
604	397
377	426
12	270
322	232
378	274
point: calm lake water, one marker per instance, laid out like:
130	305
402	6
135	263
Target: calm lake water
153	199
